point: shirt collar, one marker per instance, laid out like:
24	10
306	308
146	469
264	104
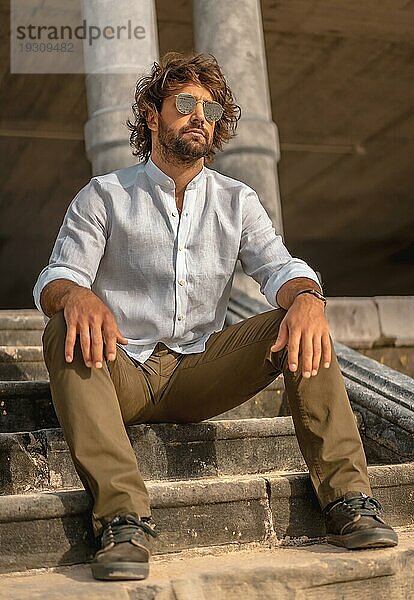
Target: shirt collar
167	182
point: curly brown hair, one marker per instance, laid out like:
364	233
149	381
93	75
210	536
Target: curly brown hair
175	70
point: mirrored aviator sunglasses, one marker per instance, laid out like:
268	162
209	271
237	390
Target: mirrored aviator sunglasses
186	103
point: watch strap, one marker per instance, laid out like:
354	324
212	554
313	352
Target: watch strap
313	293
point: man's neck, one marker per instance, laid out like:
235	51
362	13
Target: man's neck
181	174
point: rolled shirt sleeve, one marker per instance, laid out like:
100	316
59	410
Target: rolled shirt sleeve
80	243
262	253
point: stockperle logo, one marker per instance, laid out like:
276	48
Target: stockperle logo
82	36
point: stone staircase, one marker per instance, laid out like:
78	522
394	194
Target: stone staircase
229	482
283	572
231	498
21	356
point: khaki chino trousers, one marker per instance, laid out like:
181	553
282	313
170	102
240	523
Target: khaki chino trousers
94	406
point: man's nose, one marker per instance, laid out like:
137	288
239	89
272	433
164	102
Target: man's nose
198	112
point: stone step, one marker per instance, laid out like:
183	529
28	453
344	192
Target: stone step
27	318
23	371
21	337
27	405
21	353
21	327
22	363
51	529
294	569
41	460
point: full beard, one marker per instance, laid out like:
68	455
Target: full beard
180	150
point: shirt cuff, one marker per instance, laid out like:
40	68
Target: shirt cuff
294	269
50	274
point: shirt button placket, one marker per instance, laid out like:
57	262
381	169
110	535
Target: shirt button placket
181	275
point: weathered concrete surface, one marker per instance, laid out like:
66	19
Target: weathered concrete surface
384	400
400	358
41	460
22	371
375	321
305	572
26	406
296	512
396	314
29	318
50	529
354	321
21	327
22	363
21	337
54	528
21	353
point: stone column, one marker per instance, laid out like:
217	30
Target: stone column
112	68
232	31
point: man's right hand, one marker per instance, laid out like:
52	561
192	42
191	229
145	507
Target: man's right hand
87	316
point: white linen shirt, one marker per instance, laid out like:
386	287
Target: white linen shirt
167	278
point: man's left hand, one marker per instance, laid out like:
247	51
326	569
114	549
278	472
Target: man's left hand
305	331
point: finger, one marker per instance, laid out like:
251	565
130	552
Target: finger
307	355
110	337
96	345
70	342
282	338
317	351
326	351
120	338
293	349
85	343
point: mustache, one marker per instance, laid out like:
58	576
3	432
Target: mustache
199	129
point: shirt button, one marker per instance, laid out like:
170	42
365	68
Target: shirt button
174	214
180	317
181	282
180	248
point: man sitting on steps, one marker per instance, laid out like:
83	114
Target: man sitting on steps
137	289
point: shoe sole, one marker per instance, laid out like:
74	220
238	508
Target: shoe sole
120	570
370	538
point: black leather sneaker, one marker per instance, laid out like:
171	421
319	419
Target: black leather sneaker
126	549
353	522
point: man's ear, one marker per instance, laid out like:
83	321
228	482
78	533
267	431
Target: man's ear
152	119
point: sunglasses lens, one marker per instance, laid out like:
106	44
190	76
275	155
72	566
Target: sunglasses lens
213	111
185	103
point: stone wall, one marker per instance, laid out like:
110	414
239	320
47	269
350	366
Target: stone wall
381	327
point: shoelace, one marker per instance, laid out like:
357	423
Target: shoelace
124	528
360	505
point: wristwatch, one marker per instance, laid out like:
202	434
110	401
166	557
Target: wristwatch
313	293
